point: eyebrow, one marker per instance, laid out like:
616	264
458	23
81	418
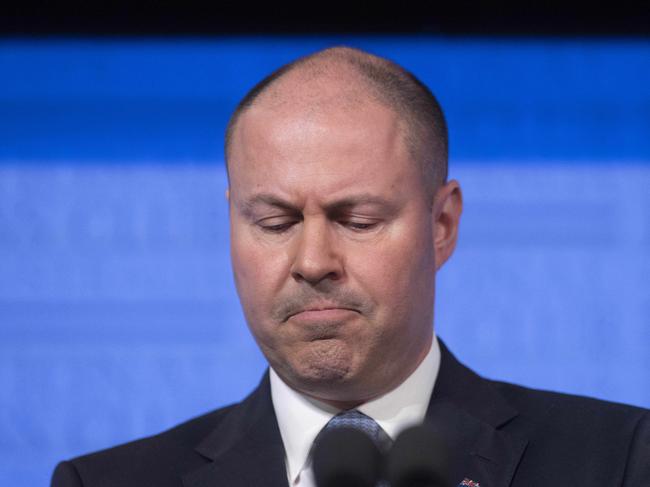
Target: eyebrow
265	199
268	199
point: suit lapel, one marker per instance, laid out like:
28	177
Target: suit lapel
470	414
246	448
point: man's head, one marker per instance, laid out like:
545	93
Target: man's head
340	217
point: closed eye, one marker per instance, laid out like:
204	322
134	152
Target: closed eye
358	225
277	228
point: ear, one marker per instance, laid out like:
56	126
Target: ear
447	208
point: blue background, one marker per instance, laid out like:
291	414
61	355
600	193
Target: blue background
118	315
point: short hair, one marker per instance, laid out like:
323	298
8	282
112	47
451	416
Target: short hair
390	84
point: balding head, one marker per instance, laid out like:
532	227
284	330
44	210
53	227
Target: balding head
348	78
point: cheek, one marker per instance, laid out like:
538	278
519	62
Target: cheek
398	270
258	273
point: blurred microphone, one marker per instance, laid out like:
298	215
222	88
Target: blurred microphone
346	457
419	458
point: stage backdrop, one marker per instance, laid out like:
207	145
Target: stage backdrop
118	315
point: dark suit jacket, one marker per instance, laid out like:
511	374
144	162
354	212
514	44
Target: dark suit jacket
502	435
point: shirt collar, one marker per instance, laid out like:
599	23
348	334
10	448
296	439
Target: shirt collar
300	418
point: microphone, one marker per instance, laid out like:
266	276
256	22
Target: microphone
419	458
346	457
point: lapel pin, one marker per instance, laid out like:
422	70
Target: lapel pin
469	483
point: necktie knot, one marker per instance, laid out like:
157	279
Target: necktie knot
355	419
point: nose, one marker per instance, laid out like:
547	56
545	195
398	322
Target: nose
316	257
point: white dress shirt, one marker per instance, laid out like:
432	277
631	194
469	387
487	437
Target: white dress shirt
300	418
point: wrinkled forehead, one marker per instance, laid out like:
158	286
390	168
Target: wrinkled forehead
317	148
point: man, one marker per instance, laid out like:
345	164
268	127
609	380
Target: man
341	213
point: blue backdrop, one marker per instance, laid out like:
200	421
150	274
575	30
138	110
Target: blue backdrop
118	315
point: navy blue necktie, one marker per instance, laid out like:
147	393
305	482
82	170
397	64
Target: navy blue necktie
355	419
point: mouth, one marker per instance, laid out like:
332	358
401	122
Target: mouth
322	313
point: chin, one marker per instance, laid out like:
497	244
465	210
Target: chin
320	365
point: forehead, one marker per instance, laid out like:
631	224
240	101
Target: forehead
325	148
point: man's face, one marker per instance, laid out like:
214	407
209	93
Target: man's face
332	241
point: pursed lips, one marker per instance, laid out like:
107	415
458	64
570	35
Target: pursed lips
322	311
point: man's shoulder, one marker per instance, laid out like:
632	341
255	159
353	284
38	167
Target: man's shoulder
577	425
183	436
536	404
503	404
145	461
